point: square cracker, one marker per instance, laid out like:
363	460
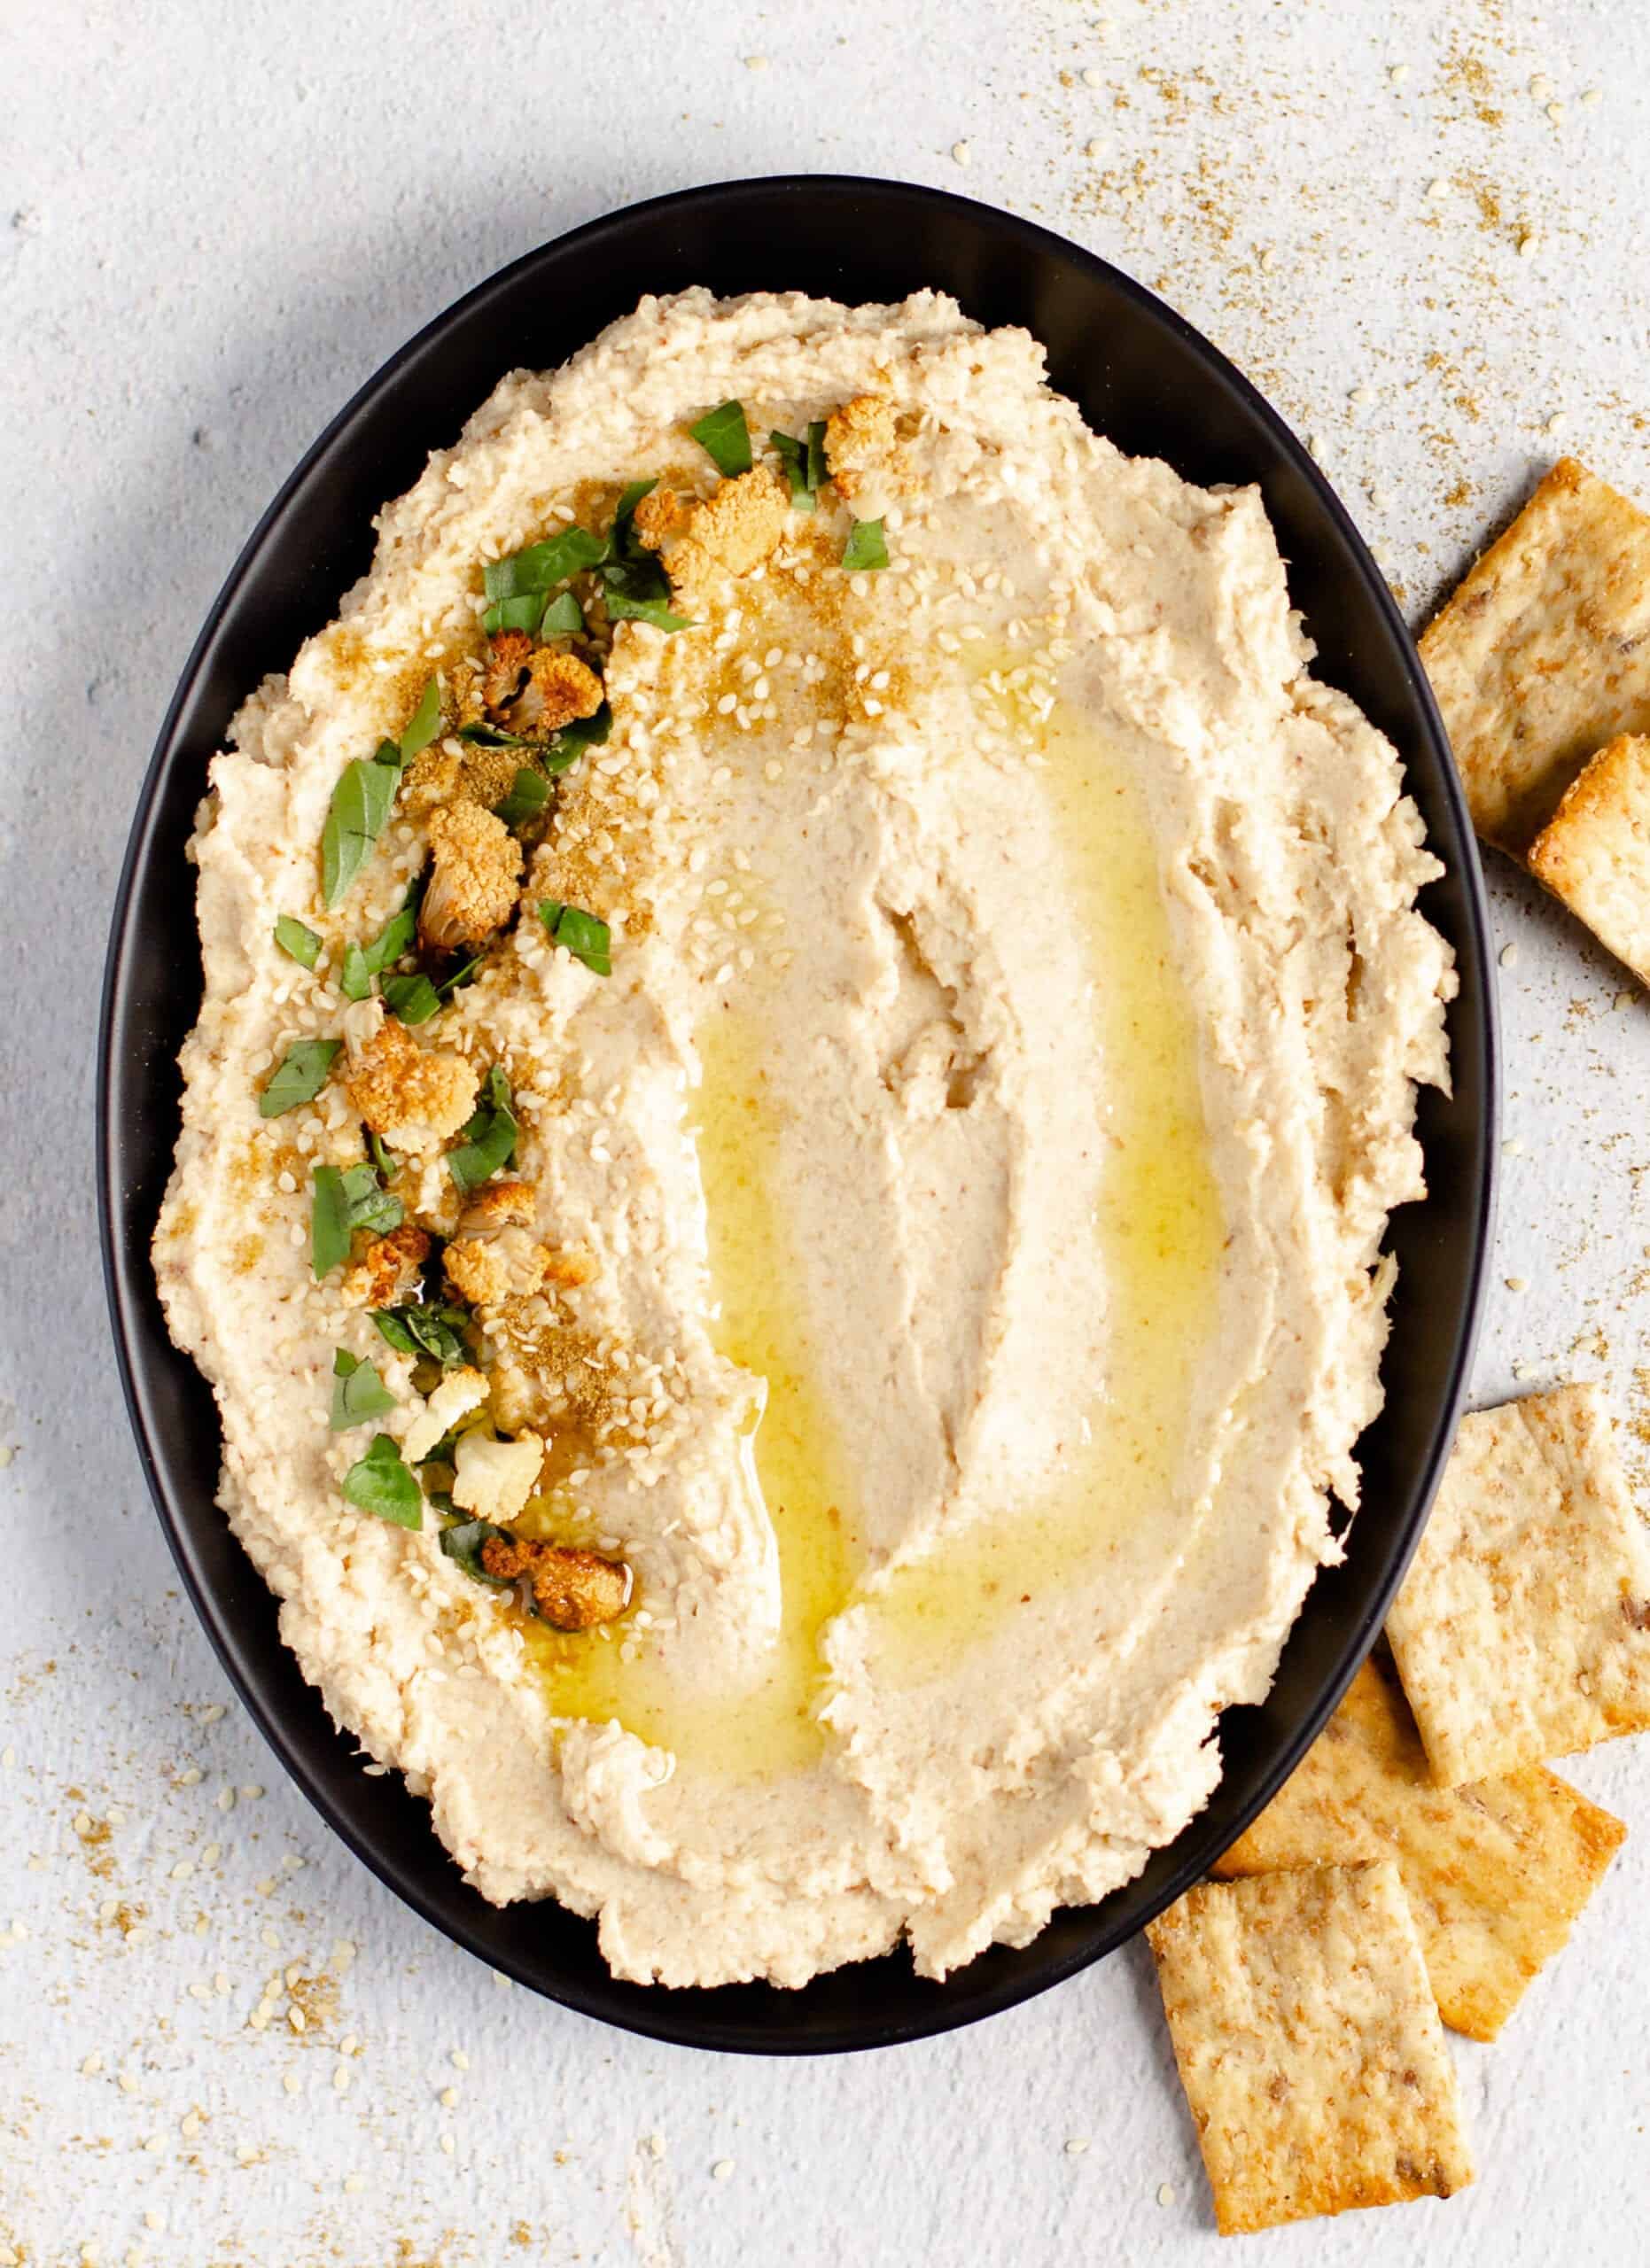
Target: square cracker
1309	2045
1523	1628
1543	652
1495	1872
1594	852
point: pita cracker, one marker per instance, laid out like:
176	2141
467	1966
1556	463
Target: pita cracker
1496	1872
1543	654
1522	1628
1594	852
1309	2045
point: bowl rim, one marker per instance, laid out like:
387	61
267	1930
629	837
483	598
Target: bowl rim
667	2014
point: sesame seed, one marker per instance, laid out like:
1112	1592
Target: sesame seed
962	153
723	2169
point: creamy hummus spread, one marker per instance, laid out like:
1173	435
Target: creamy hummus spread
801	1076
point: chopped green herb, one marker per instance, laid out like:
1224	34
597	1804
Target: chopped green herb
588	939
329	1222
624	605
412	1000
358	1392
567	746
725	437
381	1484
633	582
361	804
355	978
301	943
529	792
564	618
794	457
541	566
489	1138
491	735
520	613
865	549
388	752
387	1163
436	1329
424	723
817	468
464	974
367	1205
461	1543
299	1076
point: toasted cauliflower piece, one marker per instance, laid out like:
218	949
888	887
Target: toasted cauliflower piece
471	890
495	1478
458	1393
432	777
509	653
728	533
506	1263
499	1205
388	1269
865	458
574	1589
415	1096
560	689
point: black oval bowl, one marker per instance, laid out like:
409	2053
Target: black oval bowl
1144	377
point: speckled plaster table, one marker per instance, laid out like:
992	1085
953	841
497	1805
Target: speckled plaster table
1421	228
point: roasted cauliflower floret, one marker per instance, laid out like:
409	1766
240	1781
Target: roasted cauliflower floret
506	1263
388	1269
415	1096
862	450
459	1393
495	1479
560	690
495	1256
728	533
509	653
433	778
573	1589
472	890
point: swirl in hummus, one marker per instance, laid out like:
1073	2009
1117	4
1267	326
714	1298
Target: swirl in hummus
787	1235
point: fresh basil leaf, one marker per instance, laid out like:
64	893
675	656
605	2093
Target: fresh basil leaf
622	539
433	1329
489	1138
541	566
329	1222
358	1392
411	1000
529	793
393	1328
394	939
425	721
588	939
299	1076
388	752
818	470
383	1485
794	457
294	938
567	746
519	613
465	974
632	594
491	735
725	437
387	1163
360	804
564	618
367	1205
355	978
461	1543
865	549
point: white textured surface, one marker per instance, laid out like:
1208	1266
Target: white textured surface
214	224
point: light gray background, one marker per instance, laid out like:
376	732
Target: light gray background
214	224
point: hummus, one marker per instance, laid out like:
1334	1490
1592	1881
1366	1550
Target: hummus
786	1333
